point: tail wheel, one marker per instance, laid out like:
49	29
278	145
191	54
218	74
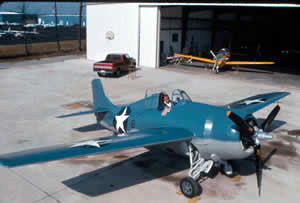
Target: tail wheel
189	187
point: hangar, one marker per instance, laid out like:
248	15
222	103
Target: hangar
151	31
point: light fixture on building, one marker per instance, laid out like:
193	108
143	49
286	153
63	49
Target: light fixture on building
109	35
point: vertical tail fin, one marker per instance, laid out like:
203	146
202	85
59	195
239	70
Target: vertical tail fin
101	103
100	99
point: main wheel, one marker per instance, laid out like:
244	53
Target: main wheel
189	187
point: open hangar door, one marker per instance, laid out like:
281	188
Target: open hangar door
251	33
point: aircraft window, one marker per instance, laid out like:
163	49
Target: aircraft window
113	57
186	96
161	101
180	96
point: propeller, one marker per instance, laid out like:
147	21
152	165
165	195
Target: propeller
258	167
270	118
251	135
241	123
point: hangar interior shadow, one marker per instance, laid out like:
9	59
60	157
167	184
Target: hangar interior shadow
250	33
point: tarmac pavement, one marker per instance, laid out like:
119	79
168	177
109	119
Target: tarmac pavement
34	92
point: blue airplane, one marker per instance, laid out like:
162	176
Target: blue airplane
209	135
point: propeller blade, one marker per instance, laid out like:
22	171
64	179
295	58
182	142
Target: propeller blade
241	123
269	156
270	117
258	168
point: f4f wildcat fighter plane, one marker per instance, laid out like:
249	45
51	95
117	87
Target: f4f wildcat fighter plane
221	59
209	135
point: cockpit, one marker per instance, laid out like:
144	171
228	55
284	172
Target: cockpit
180	96
155	99
224	53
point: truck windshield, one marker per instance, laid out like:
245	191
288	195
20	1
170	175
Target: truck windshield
113	57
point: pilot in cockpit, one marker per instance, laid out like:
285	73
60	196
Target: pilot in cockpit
166	104
167	101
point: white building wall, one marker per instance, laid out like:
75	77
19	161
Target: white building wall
122	20
149	37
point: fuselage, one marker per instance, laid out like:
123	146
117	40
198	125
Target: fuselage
214	133
222	57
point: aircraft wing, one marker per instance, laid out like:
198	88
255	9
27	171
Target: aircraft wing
249	62
140	138
197	58
255	103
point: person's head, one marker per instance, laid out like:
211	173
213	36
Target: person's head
166	99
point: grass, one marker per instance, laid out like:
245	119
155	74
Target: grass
39	50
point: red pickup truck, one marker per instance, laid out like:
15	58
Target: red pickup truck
114	64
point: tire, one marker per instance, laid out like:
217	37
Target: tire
234	171
118	73
99	74
189	187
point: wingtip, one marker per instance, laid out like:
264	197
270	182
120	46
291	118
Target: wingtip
228	113
286	93
3	164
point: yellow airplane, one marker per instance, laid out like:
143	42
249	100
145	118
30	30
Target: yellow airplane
221	59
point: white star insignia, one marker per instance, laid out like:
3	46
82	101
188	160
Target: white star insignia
91	143
121	119
247	102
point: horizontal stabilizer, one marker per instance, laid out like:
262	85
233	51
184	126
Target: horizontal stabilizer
142	138
98	110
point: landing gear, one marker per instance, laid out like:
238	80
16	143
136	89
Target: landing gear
199	167
216	69
189	187
227	169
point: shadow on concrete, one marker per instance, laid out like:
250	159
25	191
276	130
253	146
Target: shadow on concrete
270	69
246	167
250	70
89	128
133	171
147	167
257	69
122	74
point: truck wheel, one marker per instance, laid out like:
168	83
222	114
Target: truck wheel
189	187
118	72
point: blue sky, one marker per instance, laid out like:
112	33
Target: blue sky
71	8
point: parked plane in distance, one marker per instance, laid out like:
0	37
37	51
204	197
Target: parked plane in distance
222	59
209	135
